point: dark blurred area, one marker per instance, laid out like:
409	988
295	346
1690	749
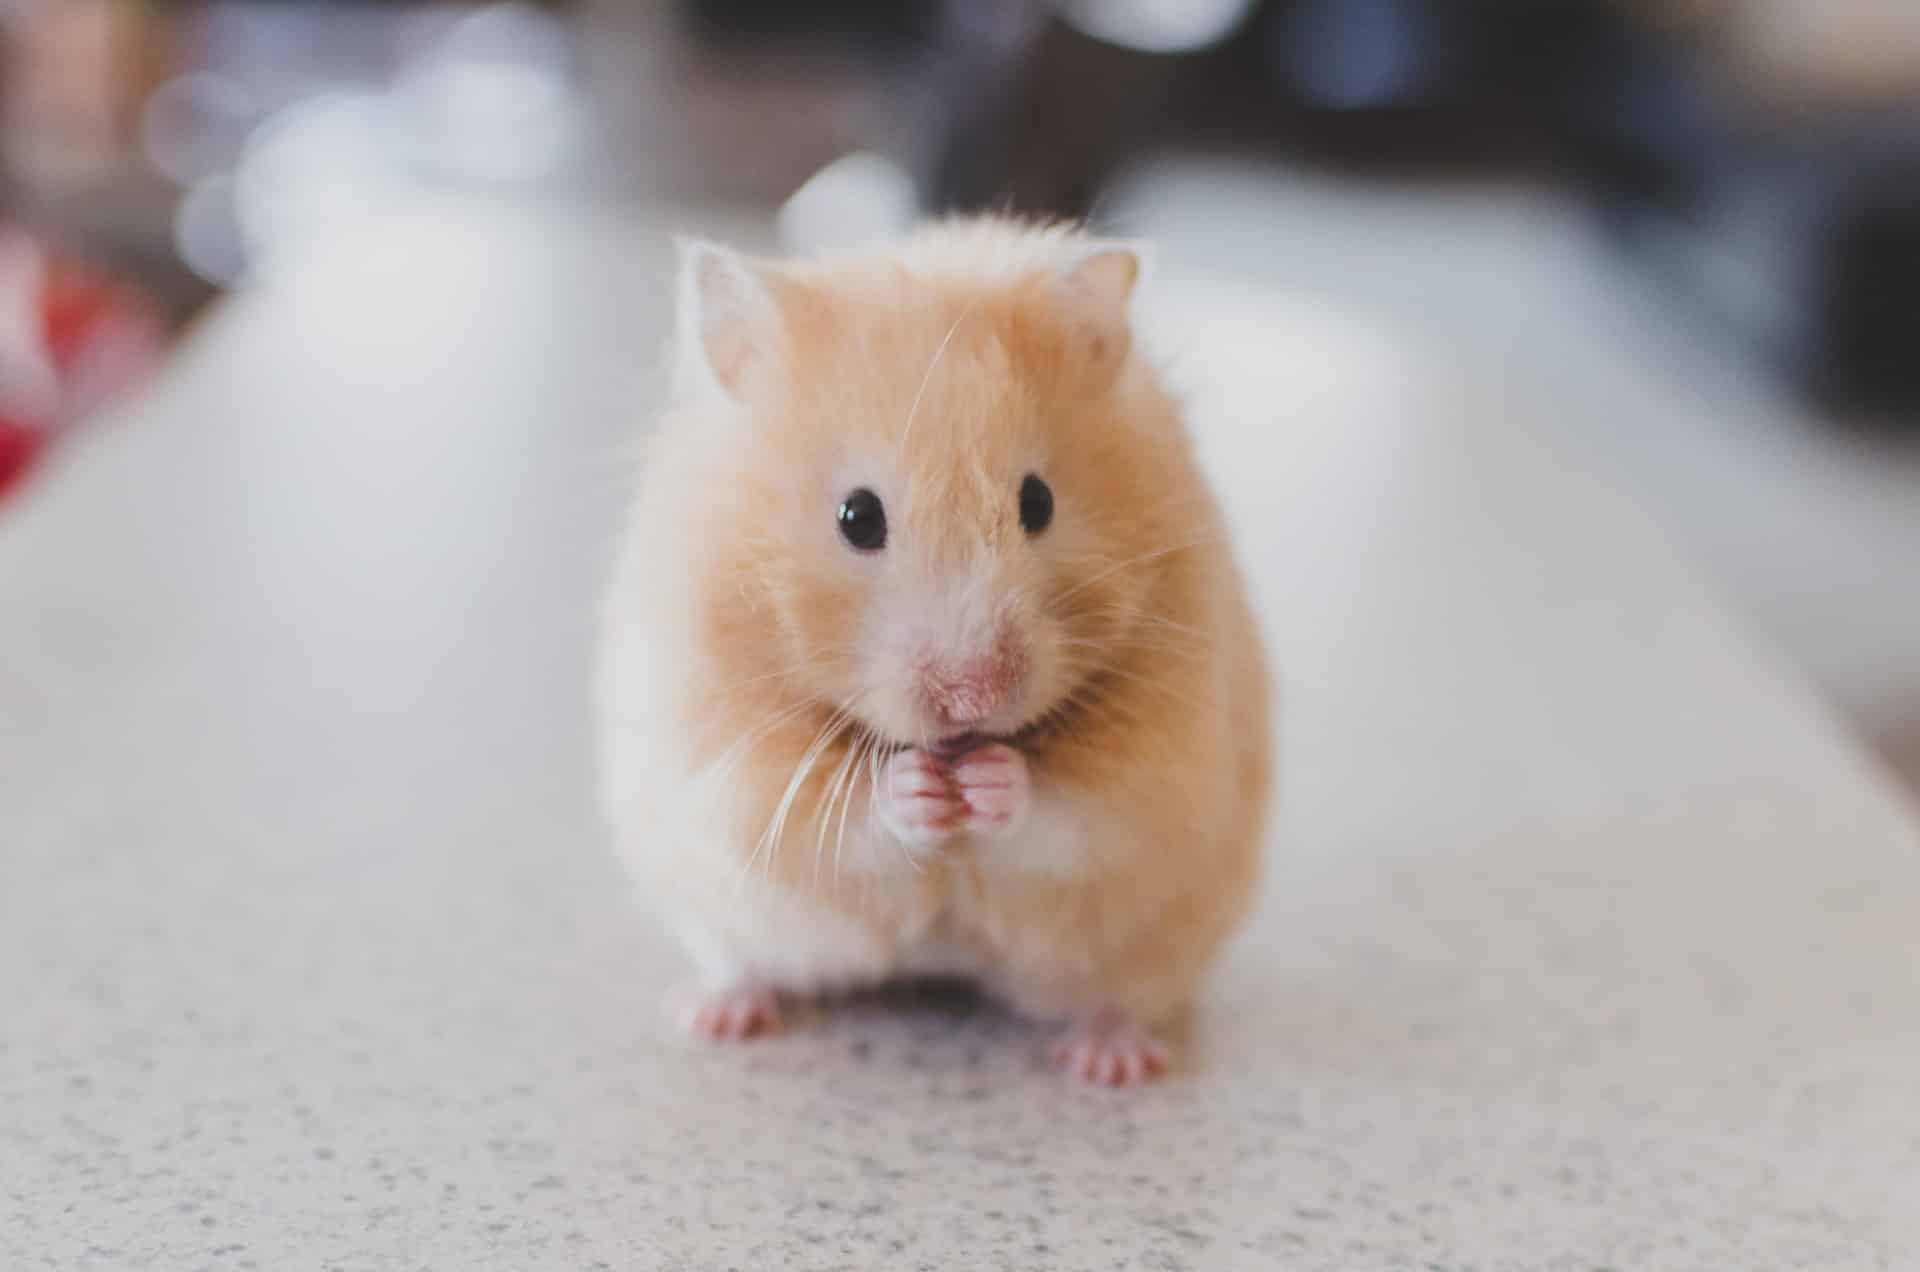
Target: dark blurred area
1780	195
1695	227
1762	160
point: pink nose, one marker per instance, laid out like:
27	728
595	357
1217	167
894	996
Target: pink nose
968	692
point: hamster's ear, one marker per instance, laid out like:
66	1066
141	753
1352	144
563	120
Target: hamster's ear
1097	284
727	317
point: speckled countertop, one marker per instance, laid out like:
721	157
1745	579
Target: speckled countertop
1589	940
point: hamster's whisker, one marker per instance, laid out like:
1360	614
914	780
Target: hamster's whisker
1088	703
1095	665
821	658
1161	620
1157	620
738	752
873	781
1145	558
863	747
1155	641
1100	665
1073	712
844	786
1149	643
802	771
777	826
823	811
939	352
723	767
1148	682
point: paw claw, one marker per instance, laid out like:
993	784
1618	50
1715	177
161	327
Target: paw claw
1112	1054
732	1014
917	799
994	785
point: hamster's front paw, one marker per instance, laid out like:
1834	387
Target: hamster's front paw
1111	1050
730	1013
918	801
994	785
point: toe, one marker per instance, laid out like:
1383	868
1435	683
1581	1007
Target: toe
1110	1055
727	1015
764	1019
996	765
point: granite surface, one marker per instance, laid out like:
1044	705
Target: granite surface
1589	941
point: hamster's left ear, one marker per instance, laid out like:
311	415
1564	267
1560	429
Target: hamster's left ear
728	320
1097	284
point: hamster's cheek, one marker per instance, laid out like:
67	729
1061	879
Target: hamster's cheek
875	683
1056	657
820	615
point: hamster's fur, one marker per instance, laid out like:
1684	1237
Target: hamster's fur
1030	750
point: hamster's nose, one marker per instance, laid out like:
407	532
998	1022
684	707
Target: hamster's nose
969	690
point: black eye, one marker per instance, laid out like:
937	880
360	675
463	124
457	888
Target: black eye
1036	505
863	520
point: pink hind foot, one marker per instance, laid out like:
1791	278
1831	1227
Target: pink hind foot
1111	1051
732	1013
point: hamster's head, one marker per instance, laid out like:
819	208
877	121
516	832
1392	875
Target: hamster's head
947	486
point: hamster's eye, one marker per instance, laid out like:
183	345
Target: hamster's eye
863	520
1036	505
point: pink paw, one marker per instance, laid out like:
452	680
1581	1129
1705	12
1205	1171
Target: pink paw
993	783
917	799
1111	1052
732	1014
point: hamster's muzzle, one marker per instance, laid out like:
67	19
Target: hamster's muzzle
964	692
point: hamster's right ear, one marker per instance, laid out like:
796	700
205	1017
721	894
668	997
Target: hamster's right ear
1096	286
727	317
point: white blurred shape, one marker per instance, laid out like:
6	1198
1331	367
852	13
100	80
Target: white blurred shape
857	199
318	168
206	232
195	126
1158	26
494	99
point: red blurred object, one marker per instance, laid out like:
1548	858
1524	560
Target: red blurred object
19	447
86	334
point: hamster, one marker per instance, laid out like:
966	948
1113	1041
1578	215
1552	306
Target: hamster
925	650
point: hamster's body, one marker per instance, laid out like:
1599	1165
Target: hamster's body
925	649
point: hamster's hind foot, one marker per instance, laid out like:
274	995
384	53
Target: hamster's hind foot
730	1013
1110	1050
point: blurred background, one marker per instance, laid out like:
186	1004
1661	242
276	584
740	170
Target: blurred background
1690	230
